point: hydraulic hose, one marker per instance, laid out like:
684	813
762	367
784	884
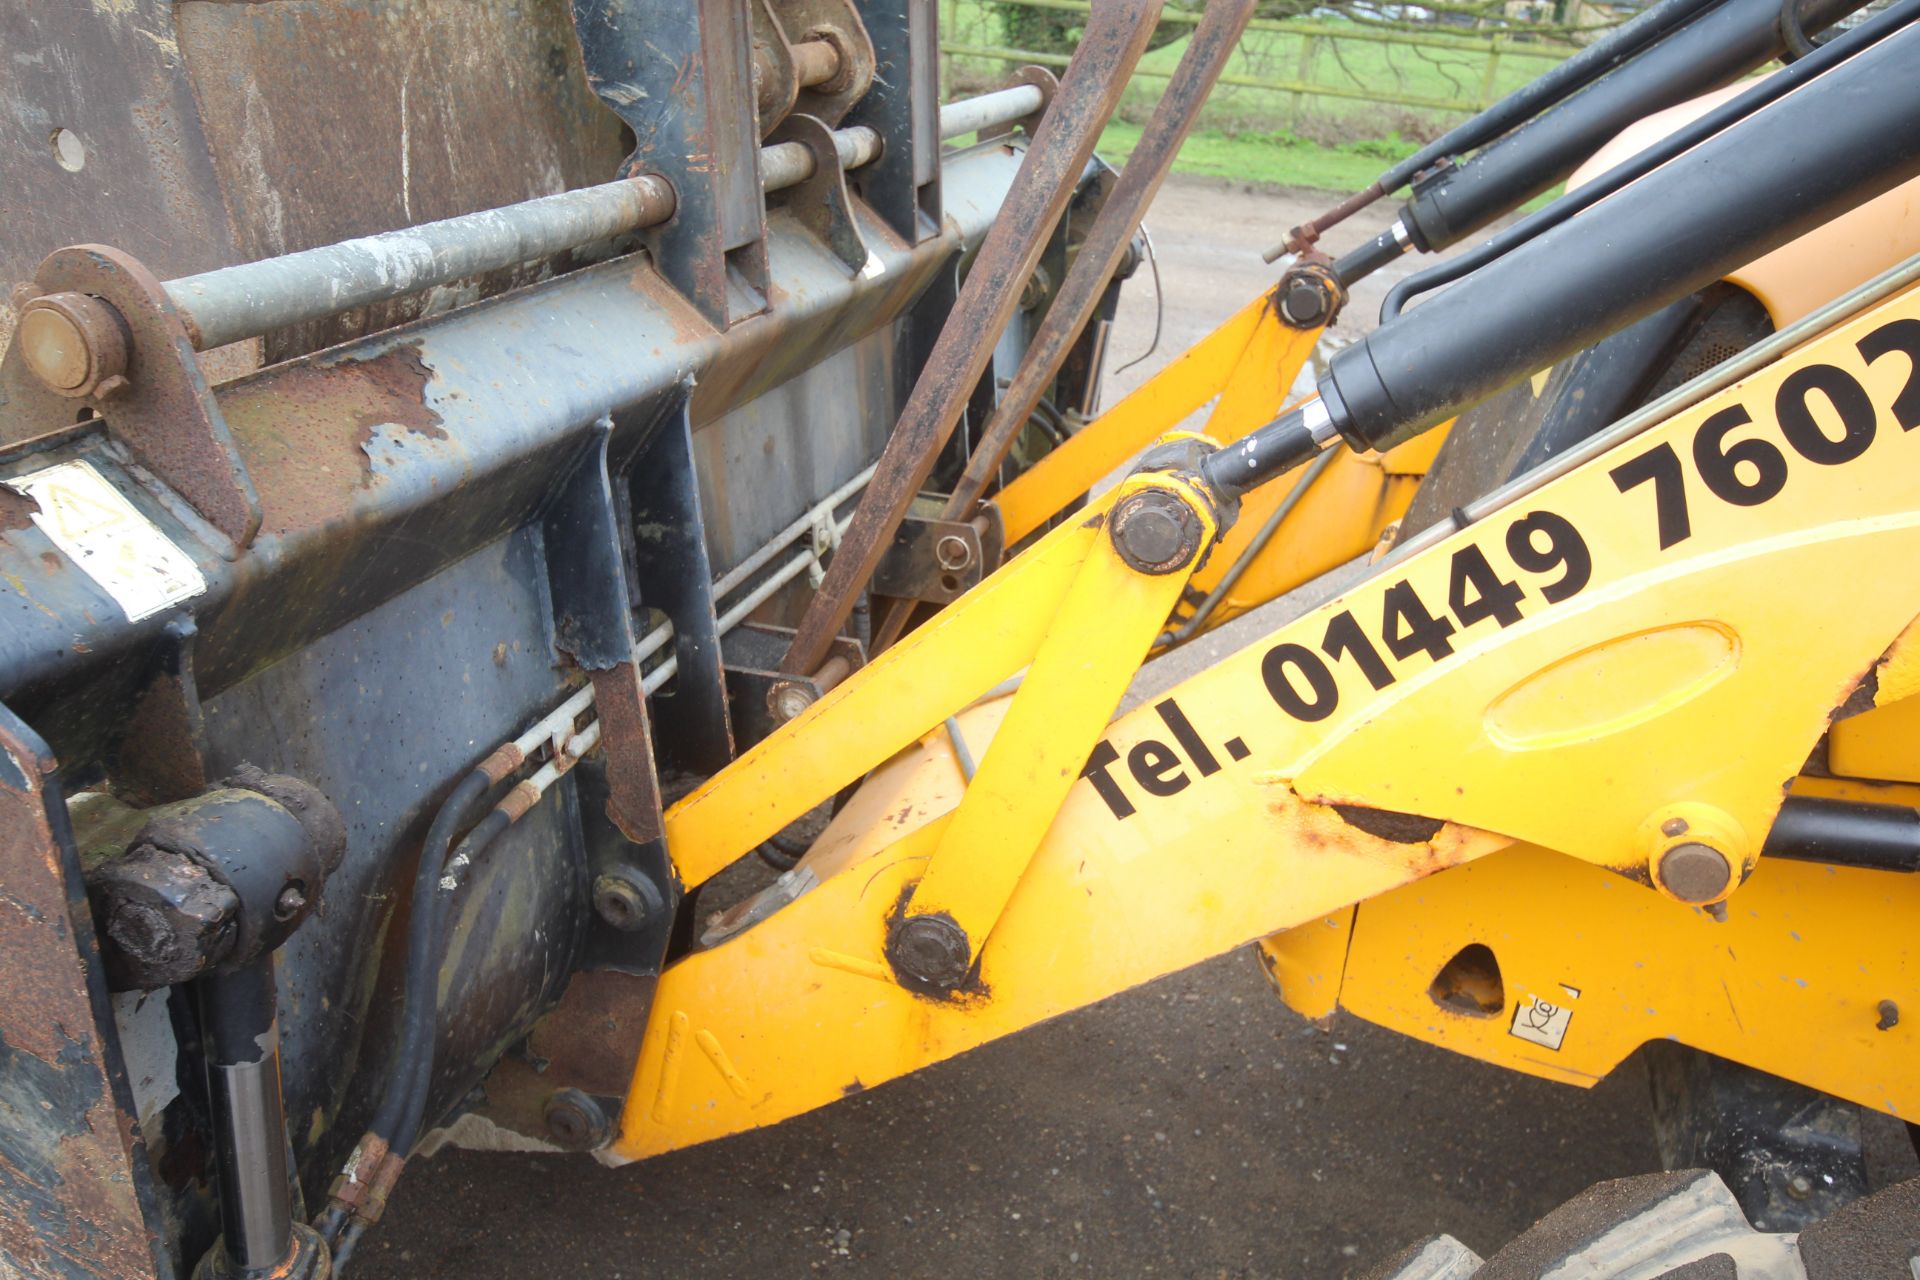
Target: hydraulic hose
418	1061
1512	111
418	1023
1713	49
1544	92
1768	91
1836	142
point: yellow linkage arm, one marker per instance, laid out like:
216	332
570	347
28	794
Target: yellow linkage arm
1103	630
933	672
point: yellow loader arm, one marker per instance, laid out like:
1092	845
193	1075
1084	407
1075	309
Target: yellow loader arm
1612	672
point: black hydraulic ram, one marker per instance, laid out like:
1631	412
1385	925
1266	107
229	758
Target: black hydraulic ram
1839	141
1711	50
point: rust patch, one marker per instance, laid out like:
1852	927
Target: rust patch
1386	824
1865	695
625	739
397	383
159	757
309	431
17	509
589	1042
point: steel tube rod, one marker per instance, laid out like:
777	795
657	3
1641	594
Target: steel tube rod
988	111
815	62
787	164
250	1134
229	304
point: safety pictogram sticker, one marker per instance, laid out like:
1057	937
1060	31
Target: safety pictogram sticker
104	534
1541	1022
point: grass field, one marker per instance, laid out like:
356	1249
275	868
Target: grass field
1279	159
1262	135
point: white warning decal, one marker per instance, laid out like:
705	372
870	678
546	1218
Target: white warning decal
1540	1022
118	547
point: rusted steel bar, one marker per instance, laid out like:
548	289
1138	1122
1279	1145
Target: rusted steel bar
251	298
1304	236
788	164
1115	37
231	303
815	62
1106	243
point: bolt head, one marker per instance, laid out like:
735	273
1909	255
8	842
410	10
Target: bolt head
576	1121
1305	303
929	951
72	342
1695	872
291	902
621	902
163	918
1155	532
788	699
54	348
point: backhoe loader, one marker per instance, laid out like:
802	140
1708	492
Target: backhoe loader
472	476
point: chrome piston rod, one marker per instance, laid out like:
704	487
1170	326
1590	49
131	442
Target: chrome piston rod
229	304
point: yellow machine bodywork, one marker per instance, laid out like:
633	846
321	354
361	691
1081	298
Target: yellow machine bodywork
1590	968
1573	673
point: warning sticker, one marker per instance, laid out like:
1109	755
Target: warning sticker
1540	1022
118	547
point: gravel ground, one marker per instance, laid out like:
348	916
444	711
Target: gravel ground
1192	1127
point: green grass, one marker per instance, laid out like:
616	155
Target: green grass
1280	159
1265	136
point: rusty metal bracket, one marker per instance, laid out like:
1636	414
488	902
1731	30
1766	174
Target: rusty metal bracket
837	24
133	364
753	653
903	107
933	560
1049	86
592	589
679	72
776	83
1109	49
1101	254
80	1188
821	203
676	578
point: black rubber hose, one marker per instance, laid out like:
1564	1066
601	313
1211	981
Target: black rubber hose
1768	91
418	1021
1598	58
439	908
1715	49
